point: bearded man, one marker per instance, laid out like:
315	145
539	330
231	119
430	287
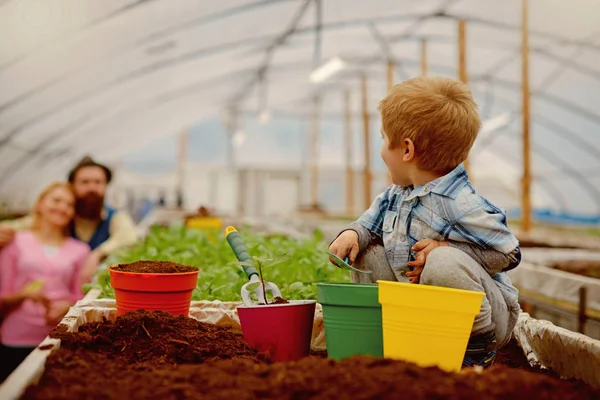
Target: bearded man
102	227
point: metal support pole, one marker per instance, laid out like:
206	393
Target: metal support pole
367	142
526	223
349	172
423	57
462	60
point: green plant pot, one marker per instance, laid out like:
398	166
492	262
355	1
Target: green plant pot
352	318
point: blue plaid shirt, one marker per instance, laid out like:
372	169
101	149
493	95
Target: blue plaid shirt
446	209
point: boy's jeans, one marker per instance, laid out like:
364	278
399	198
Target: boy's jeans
450	267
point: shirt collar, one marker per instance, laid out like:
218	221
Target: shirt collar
448	185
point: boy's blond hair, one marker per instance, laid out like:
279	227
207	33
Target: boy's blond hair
438	114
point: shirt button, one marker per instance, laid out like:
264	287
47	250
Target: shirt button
402	237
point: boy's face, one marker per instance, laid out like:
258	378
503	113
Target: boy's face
397	162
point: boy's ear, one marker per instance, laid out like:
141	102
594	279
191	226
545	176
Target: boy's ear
408	150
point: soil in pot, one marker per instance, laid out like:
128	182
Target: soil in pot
279	300
154	267
153	285
155	355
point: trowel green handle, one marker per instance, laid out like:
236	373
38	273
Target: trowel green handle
239	249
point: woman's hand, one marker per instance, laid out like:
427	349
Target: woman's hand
91	265
7	234
33	291
56	312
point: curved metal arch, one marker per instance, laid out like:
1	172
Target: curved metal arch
13	133
568	105
113	14
215	49
588	43
207	18
269	53
552	157
554	127
264	3
156	101
203	52
580	142
545	153
547	185
207	51
489	96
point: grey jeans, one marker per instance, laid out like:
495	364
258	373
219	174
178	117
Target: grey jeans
450	267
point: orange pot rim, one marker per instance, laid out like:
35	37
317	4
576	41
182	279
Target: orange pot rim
152	273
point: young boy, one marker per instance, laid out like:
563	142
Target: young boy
430	219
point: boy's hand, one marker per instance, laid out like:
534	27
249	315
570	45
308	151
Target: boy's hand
423	248
346	245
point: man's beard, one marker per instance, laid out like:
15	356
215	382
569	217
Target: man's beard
89	206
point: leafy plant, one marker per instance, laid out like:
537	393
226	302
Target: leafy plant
305	263
261	263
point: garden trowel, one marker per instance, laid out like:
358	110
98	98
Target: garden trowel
241	253
343	264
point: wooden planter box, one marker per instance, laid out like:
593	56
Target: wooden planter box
567	299
93	310
570	354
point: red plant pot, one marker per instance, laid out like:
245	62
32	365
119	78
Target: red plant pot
282	330
166	292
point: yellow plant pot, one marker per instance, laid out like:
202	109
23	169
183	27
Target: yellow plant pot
427	325
204	223
210	225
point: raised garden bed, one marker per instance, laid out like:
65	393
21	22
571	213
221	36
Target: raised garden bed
157	356
587	268
550	278
540	244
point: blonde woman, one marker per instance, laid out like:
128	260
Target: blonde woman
40	276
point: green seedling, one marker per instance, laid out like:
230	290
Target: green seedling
261	263
296	276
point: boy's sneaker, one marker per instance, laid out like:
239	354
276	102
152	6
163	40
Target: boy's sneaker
481	350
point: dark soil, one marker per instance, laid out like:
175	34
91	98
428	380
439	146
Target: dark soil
523	243
137	358
154	267
590	269
279	300
512	356
157	338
